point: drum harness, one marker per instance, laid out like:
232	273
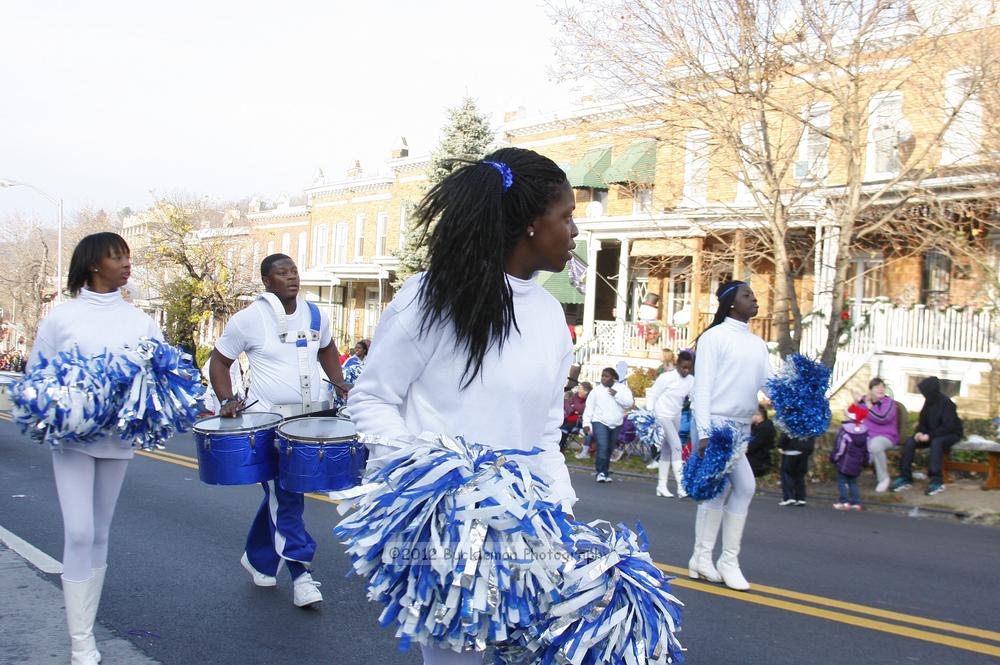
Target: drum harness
301	339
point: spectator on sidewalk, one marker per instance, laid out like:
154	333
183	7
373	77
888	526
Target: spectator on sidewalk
883	428
938	428
795	454
603	415
762	436
850	455
573	408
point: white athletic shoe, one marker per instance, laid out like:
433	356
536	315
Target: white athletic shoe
883	485
602	478
617	454
260	579
583	454
306	591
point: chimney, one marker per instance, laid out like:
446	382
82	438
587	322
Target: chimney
402	151
356	171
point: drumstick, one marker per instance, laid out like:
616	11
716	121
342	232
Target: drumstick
242	409
336	385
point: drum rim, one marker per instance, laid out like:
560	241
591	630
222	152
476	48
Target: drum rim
299	438
237	430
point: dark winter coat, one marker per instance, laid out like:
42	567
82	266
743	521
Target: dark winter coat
804	446
939	416
759	448
850	453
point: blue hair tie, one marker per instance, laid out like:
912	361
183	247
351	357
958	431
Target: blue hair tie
734	286
508	175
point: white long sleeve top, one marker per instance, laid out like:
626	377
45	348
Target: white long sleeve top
412	383
666	396
605	408
732	365
94	322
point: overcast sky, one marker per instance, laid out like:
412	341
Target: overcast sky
106	100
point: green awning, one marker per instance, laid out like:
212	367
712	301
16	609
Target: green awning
558	284
589	169
636	165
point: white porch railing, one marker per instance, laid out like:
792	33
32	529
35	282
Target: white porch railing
629	338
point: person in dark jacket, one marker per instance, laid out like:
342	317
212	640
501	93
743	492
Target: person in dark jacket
850	455
795	455
762	436
938	428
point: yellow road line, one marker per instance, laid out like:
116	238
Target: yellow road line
754	597
6	416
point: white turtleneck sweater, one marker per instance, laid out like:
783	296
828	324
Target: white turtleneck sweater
731	366
412	383
94	322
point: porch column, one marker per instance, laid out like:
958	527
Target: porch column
621	297
590	287
696	287
739	244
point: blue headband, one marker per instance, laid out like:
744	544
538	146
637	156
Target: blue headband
735	285
508	175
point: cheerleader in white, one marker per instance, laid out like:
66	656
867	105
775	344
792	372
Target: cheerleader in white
732	366
666	399
89	475
451	350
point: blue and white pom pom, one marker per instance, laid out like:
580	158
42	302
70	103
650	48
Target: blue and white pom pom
458	542
162	392
66	398
705	476
798	394
647	429
616	607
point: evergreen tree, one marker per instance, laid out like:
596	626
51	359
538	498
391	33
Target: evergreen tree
466	136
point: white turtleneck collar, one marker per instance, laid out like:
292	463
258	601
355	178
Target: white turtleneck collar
100	299
736	324
522	286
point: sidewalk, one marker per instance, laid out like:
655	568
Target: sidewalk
33	620
962	499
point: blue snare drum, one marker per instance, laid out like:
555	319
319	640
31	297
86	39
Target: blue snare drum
237	451
319	454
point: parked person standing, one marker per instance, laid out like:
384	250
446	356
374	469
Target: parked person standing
732	366
286	340
795	455
573	408
450	351
666	400
883	429
603	415
938	428
762	436
89	475
850	455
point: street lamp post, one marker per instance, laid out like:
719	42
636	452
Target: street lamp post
59	237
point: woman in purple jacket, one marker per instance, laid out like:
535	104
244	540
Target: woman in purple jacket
883	429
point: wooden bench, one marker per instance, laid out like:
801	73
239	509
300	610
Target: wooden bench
989	467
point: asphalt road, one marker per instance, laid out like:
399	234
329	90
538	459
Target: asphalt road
830	587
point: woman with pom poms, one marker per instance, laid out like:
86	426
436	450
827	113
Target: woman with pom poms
89	475
732	365
450	351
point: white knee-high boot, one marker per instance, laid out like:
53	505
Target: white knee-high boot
662	474
80	619
94	598
729	564
706	530
678	467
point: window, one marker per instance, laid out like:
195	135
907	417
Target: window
751	143
286	244
301	256
866	278
936	279
696	167
340	245
812	163
642	200
256	255
381	230
319	245
359	237
404	219
949	387
270	247
886	129
963	138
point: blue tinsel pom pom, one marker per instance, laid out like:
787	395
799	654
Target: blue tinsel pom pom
646	428
798	393
705	476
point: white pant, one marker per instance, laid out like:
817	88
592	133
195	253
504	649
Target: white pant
88	490
735	498
439	656
671	448
877	445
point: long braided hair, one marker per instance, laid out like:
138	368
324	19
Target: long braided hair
476	225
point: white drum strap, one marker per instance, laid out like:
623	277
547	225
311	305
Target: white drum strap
301	339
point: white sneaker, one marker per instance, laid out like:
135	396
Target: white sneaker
305	591
260	579
603	478
583	454
617	454
883	485
787	502
653	465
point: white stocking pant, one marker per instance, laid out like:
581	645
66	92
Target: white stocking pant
671	448
735	499
439	656
88	490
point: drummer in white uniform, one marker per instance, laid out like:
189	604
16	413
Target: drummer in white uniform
287	341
